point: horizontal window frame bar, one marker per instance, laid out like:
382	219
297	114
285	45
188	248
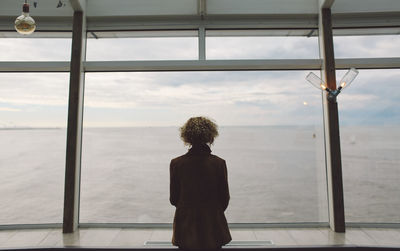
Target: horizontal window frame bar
200	65
372	225
30	226
203	65
164	225
35	66
218	21
367	63
231	225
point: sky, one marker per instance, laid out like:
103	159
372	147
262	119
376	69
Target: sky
169	98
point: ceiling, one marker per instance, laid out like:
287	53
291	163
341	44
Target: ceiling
300	16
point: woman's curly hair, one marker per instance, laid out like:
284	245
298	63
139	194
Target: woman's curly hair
199	130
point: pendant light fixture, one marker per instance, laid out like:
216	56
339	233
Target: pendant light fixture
344	82
25	24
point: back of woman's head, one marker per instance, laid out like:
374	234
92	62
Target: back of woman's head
199	130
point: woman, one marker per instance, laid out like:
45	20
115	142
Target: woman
199	190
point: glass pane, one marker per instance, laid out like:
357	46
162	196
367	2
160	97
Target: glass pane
136	46
270	135
35	49
367	46
262	47
370	141
33	111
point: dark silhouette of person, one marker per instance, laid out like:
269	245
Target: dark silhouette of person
199	190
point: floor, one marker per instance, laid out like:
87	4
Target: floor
117	237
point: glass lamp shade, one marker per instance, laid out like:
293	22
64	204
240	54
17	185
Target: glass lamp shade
316	81
25	24
348	78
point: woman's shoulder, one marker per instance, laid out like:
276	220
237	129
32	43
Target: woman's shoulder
217	158
190	157
180	159
187	157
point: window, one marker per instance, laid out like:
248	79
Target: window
370	136
33	111
270	135
367	46
35	49
142	46
260	47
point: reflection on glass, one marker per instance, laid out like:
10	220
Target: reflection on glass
270	135
370	136
33	111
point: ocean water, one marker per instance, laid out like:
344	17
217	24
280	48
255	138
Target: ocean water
276	174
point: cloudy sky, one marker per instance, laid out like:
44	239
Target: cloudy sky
169	98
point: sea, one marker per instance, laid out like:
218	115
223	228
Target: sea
276	174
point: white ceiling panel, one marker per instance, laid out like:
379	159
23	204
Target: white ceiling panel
246	7
365	6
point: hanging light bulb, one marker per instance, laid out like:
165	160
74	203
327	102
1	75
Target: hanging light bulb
25	24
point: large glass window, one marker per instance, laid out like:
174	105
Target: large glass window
33	111
270	135
370	143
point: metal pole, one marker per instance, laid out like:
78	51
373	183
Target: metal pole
74	129
331	124
202	43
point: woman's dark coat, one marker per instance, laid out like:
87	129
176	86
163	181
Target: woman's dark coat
199	191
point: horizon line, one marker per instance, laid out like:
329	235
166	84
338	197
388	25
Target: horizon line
141	126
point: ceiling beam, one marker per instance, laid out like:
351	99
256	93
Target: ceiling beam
323	4
78	5
202	8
